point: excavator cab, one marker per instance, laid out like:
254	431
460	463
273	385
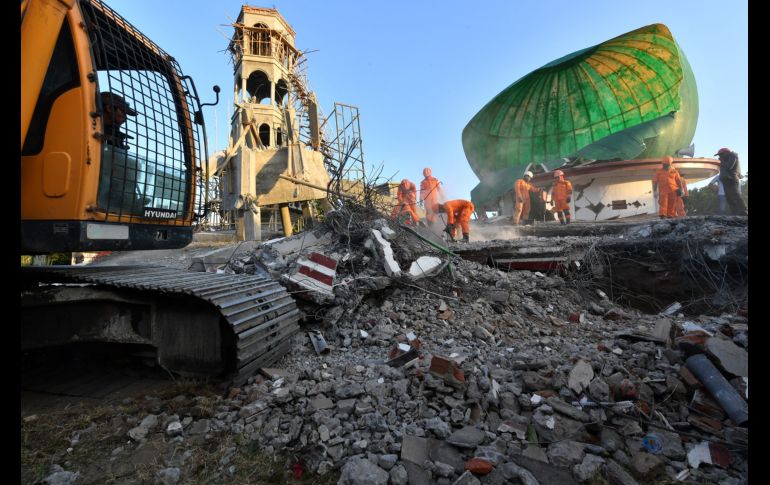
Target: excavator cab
111	155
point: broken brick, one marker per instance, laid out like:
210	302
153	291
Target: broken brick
720	455
689	378
706	424
626	391
704	404
692	343
447	370
644	407
478	466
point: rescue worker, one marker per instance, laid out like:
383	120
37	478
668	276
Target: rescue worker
522	188
668	184
561	196
729	175
458	213
431	194
407	202
679	205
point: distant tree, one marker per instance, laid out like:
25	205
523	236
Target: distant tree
702	202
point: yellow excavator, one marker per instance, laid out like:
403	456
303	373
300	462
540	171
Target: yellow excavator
111	135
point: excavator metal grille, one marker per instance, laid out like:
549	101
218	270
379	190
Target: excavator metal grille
151	154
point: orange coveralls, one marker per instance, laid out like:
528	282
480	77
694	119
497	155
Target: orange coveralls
562	189
407	201
667	182
679	210
430	189
522	188
459	211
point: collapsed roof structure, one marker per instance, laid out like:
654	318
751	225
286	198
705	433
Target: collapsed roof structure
632	97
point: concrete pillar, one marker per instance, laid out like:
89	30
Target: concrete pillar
240	235
307	214
272	94
252	225
286	219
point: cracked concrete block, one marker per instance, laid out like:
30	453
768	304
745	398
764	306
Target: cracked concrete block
414	449
425	266
392	268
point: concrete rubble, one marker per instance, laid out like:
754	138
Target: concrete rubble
505	377
473	375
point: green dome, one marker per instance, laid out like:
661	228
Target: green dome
633	96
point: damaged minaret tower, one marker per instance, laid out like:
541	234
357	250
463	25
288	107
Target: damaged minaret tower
273	155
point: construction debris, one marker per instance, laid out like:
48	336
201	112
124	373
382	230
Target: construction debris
497	370
502	384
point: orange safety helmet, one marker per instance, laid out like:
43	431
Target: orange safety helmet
558	173
405	182
668	160
427	172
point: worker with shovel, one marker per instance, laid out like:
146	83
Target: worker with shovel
430	194
407	203
458	213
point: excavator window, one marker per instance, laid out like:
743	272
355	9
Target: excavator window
62	75
151	150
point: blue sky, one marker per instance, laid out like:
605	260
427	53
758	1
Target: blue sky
420	70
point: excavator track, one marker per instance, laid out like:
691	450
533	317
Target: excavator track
200	323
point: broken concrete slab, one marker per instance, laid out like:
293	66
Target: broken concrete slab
417	474
638	335
467	437
535	452
360	471
415	449
314	275
590	467
662	331
321	402
566	453
728	356
580	376
392	267
441	451
646	466
211	261
425	266
567	409
542	472
290	246
618	475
